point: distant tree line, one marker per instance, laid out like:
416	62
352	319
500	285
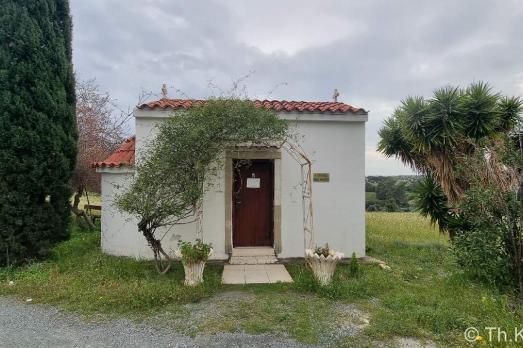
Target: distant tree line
390	193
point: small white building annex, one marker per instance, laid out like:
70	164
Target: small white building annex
259	205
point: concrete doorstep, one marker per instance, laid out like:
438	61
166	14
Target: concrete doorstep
253	256
256	265
255	274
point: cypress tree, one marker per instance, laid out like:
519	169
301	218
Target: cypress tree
37	127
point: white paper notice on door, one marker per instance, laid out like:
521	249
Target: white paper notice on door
253	182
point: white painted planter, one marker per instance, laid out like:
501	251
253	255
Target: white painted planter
193	270
193	273
323	267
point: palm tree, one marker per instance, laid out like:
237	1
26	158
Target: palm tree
438	136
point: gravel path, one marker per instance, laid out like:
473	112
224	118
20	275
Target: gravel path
30	325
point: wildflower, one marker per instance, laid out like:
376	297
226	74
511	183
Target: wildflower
11	283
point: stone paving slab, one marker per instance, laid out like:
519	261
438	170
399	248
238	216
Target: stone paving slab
255	274
252	260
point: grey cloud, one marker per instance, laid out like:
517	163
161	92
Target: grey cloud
386	51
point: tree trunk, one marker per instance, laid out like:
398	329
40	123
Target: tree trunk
162	260
79	212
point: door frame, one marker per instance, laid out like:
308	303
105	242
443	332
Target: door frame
253	154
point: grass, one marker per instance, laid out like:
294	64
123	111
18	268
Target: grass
81	278
425	295
94	198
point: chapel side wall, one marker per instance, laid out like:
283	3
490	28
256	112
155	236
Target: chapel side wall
120	235
337	148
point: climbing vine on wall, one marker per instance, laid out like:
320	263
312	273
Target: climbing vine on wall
179	164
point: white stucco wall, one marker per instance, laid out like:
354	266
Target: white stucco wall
334	145
337	148
120	235
119	231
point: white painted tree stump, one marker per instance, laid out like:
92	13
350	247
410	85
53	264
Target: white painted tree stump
193	272
323	267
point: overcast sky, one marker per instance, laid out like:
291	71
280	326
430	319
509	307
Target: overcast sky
374	52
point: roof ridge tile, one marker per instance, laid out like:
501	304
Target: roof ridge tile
276	105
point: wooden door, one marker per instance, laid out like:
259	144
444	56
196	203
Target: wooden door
253	191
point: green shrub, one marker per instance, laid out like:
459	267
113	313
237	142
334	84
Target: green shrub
191	253
354	266
481	252
487	243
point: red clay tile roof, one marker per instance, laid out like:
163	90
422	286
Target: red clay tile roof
124	156
276	105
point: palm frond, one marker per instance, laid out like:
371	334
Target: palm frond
509	111
394	143
414	112
431	202
481	116
443	121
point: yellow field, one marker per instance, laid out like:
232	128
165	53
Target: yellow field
94	198
405	227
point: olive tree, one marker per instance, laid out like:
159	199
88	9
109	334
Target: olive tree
178	165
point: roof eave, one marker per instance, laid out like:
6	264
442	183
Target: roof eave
349	116
121	169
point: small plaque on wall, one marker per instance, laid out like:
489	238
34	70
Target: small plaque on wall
321	177
253	183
